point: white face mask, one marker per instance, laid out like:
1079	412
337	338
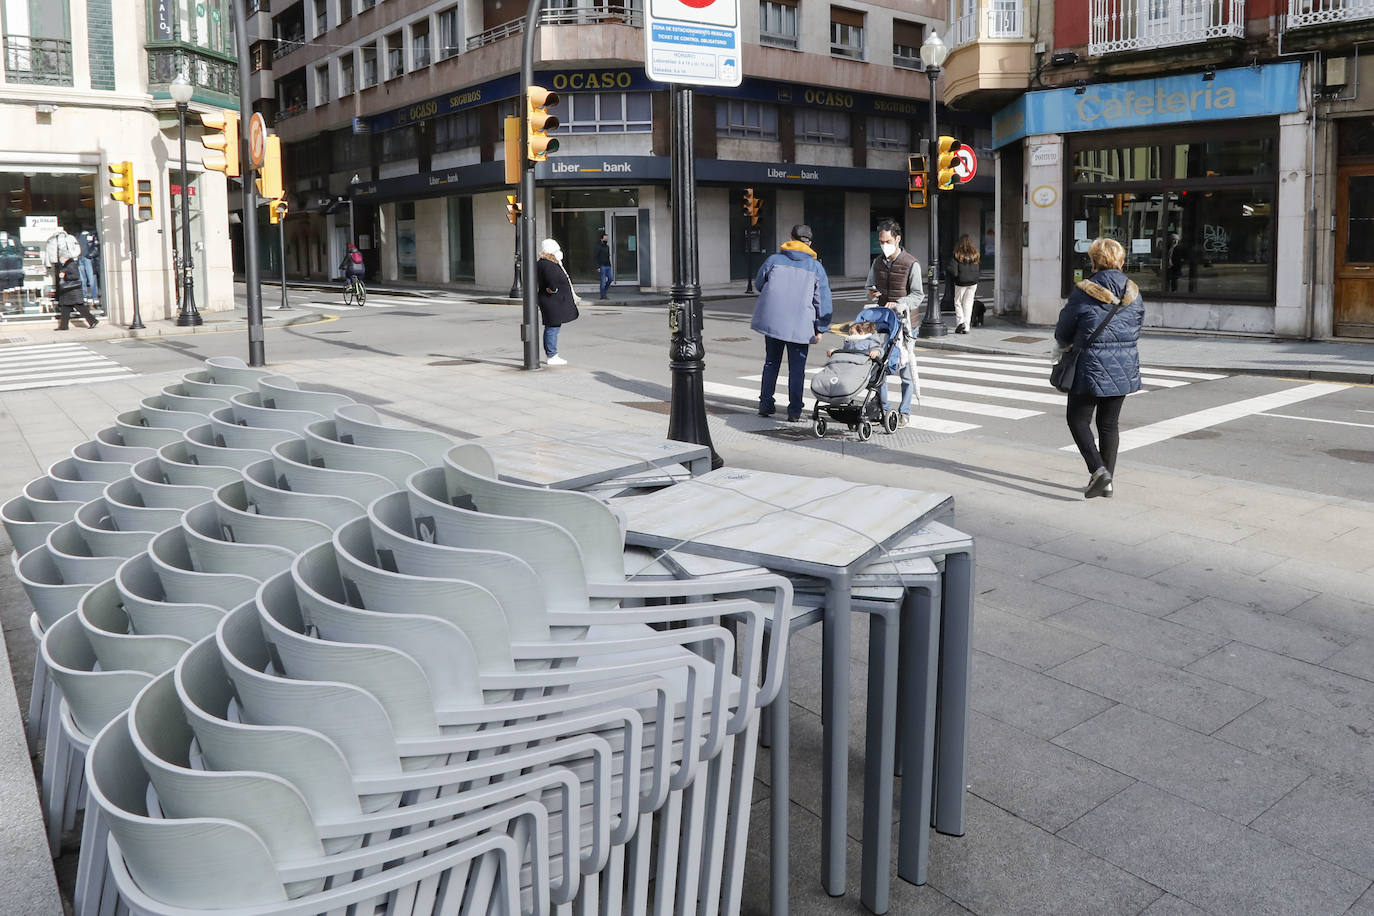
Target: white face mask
889	249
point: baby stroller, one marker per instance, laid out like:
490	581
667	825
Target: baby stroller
847	386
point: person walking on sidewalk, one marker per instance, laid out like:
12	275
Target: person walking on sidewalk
792	313
962	274
1108	368
71	292
603	263
894	280
557	301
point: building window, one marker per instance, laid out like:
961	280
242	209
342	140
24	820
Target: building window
419	44
345	10
889	133
367	5
1196	214
322	84
828	128
395	56
321	17
450	41
399	144
609	113
461	130
369	65
778	23
346	85
846	33
757	120
349	150
907	38
259	52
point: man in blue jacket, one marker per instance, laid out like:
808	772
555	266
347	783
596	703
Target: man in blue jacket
792	313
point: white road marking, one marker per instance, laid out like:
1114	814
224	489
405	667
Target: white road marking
1214	416
66	380
894	388
1042	368
1175	373
930	424
1289	416
50	365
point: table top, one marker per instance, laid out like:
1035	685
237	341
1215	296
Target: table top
571	457
811	525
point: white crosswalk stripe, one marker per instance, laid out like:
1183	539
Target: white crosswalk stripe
50	365
1018	379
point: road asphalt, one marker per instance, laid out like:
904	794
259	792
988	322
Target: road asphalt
1174	697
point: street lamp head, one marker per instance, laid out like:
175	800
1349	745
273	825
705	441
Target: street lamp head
181	89
933	51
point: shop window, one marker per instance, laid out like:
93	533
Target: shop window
889	133
778	23
1225	159
399	144
827	128
609	113
757	120
1125	163
846	33
462	259
457	131
450	41
346	85
369	65
419	44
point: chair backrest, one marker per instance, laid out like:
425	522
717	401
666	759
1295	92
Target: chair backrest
93	696
157	493
92	465
25	531
74	558
151	612
98	528
183	584
68	483
112	447
127	510
107	629
294	469
46	505
323	447
212	549
282	393
203	445
178	397
231	433
230	370
263	495
135	430
245	526
157	412
51	595
250	409
361	425
200	384
181	467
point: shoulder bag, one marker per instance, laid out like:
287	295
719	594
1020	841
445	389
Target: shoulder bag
1063	372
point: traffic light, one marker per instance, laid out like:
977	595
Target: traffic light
916	181
538	123
226	141
269	174
21	202
751	206
276	210
513	209
144	200
512	149
949	157
122	182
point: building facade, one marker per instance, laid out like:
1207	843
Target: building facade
391	115
1225	143
84	85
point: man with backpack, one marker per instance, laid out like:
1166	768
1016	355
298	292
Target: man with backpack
352	263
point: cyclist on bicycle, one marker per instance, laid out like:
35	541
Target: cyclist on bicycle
352	265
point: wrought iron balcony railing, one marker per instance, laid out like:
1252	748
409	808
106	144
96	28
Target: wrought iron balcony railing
206	70
586	15
1320	12
1136	25
38	60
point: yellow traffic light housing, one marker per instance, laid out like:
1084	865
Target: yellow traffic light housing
269	174
276	210
144	200
122	182
226	142
949	158
512	135
751	206
513	209
539	122
916	181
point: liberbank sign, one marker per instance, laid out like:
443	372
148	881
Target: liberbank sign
1243	92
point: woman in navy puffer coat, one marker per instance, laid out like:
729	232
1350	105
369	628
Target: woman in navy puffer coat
1108	369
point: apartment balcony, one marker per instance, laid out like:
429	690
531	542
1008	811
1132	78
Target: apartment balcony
1329	25
214	76
1117	26
47	61
583	15
989	60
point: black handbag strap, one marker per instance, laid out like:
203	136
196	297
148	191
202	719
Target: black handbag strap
1105	321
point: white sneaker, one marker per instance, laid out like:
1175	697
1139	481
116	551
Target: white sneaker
556	360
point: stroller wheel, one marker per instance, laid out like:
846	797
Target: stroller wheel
865	431
819	428
890	421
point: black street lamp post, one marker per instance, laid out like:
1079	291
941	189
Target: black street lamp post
181	90
933	53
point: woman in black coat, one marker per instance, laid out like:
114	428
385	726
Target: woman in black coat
1109	368
557	301
71	295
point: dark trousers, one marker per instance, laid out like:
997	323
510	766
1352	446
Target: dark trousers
64	314
1080	418
607	276
796	374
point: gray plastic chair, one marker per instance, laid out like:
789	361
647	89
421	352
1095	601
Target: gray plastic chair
25	531
156	411
241	524
92	462
361	425
96	523
178	397
183	584
230	432
151	611
135	430
181	467
157	493
69	485
323	447
230	370
75	559
213	550
46	505
282	393
118	648
263	495
249	409
112	447
204	446
128	512
201	384
292	464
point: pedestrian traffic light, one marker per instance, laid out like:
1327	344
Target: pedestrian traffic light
538	123
122	182
269	173
144	209
513	209
21	202
276	210
949	158
751	206
226	160
512	134
916	181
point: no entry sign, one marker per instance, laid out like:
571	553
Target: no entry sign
693	41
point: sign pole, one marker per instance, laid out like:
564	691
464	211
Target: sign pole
529	324
256	349
137	323
281	235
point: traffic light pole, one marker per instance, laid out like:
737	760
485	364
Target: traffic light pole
256	348
281	236
137	324
687	409
932	325
529	326
515	280
188	315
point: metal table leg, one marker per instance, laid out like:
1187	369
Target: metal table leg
918	685
835	724
956	657
884	628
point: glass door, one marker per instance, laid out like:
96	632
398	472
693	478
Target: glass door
625	247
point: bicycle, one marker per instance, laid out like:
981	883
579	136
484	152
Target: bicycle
355	293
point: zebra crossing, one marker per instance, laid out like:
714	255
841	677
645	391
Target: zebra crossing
50	365
960	392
